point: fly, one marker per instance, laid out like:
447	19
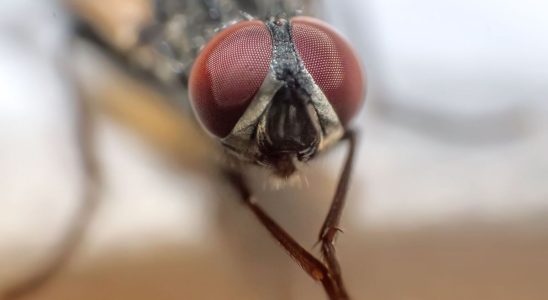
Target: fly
304	86
274	90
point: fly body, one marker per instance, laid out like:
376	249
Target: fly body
275	92
273	87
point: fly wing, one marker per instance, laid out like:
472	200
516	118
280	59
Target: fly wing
114	31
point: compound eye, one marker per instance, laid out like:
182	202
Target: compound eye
228	73
333	64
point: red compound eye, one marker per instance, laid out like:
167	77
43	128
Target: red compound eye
228	73
333	64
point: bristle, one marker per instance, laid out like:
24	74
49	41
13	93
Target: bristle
276	182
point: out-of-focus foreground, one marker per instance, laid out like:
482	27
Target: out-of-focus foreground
450	192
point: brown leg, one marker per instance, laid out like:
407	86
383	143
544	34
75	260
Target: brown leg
330	226
82	217
315	268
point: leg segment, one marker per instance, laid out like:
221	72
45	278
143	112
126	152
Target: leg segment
330	226
82	217
315	268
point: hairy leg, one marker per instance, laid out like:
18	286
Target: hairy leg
330	226
81	218
311	265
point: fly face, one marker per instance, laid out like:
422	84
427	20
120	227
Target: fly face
277	92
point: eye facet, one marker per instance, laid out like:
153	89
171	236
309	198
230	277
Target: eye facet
228	73
333	64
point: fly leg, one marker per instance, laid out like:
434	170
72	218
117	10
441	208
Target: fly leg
81	218
311	265
330	227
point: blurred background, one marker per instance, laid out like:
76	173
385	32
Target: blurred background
450	191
